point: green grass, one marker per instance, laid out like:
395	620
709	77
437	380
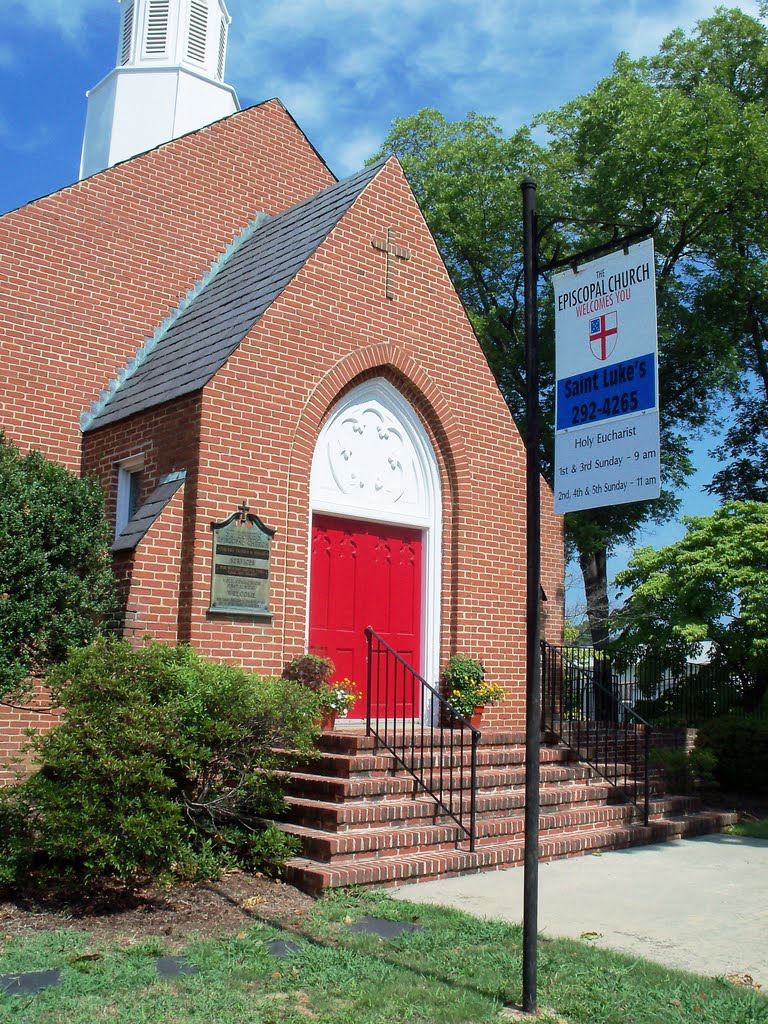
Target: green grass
757	829
456	969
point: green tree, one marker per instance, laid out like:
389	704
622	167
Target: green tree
692	125
56	579
682	133
711	585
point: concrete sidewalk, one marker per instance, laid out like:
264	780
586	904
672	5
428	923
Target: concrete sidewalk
696	904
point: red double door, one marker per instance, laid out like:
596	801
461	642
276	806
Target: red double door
365	574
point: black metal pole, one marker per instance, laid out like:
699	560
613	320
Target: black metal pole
533	652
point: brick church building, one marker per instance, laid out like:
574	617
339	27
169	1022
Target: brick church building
216	321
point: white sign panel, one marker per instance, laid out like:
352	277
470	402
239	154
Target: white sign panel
606	369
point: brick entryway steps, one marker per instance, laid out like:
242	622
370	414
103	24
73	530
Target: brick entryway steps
364	822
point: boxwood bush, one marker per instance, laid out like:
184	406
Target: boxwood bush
164	764
740	747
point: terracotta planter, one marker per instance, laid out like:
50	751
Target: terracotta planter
328	720
476	717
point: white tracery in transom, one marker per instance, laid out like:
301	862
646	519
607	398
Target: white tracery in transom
372	457
366	451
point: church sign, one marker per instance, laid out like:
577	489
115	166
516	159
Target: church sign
607	404
241	565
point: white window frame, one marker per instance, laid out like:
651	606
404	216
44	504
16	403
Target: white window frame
126	469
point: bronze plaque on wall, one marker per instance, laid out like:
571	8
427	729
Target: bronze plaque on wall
240	567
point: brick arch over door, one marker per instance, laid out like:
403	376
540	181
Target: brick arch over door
446	438
375	487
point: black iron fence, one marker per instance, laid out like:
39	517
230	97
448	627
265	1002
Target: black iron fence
413	721
684	696
580	707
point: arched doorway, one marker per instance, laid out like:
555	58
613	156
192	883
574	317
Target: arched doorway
375	535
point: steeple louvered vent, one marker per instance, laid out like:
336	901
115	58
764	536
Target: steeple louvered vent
222	50
198	30
167	80
156	42
126	37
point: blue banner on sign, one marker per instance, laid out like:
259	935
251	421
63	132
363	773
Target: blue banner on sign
610	391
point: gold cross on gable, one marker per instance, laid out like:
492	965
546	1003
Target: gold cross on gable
391	250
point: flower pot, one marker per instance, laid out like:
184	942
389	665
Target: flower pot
476	717
328	720
451	720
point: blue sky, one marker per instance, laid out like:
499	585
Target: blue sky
344	68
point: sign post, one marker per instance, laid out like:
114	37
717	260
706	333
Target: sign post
533	587
606	444
607	394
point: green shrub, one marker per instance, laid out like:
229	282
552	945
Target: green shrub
682	770
56	581
739	744
15	817
673	765
702	764
163	763
465	687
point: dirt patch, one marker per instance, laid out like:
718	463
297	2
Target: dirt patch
230	904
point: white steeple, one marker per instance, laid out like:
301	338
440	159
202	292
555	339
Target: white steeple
169	80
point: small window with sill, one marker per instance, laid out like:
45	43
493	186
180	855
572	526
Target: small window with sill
129	476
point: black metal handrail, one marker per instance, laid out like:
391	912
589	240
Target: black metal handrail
581	708
436	754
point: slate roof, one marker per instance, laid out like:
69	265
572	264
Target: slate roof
137	527
207	332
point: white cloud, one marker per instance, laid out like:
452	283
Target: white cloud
346	68
640	30
308	96
66	16
352	154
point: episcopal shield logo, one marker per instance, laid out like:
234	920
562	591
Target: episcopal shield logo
603	334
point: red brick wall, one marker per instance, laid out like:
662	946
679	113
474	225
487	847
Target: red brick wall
260	417
90	271
14	723
552	568
150	578
252	432
168	437
149	582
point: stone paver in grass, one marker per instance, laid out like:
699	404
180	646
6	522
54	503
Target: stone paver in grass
29	984
282	947
383	927
174	966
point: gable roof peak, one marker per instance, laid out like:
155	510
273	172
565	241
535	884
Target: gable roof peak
220	310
